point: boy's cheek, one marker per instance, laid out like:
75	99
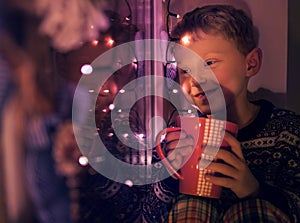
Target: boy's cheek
185	88
185	83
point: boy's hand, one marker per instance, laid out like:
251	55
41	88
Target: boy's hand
178	145
237	177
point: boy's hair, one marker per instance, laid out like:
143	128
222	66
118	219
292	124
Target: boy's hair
226	20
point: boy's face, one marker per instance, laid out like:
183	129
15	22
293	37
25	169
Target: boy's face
228	65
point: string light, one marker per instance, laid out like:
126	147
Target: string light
141	135
95	42
129	183
86	69
186	40
170	14
135	63
111	107
83	161
125	135
171	65
119	63
109	41
128	18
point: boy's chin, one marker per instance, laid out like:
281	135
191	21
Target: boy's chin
217	113
205	110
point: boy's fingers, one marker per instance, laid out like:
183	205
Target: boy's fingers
183	142
172	155
177	161
235	145
175	135
183	151
186	151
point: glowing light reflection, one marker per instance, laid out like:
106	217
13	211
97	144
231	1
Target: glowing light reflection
86	69
95	42
111	106
141	136
83	161
186	40
109	42
125	135
129	183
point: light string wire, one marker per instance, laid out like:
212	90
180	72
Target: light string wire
129	17
170	68
170	14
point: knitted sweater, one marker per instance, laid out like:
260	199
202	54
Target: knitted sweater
271	148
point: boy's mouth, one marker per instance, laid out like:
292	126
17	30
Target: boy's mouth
200	94
203	94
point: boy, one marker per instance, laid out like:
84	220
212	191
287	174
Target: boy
261	173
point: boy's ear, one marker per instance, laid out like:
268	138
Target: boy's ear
254	61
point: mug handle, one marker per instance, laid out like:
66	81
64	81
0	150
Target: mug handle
161	152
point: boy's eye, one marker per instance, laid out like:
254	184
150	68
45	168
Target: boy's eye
209	62
186	70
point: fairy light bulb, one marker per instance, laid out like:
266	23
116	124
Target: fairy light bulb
129	183
83	161
86	69
135	63
186	39
111	107
125	135
95	42
109	42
